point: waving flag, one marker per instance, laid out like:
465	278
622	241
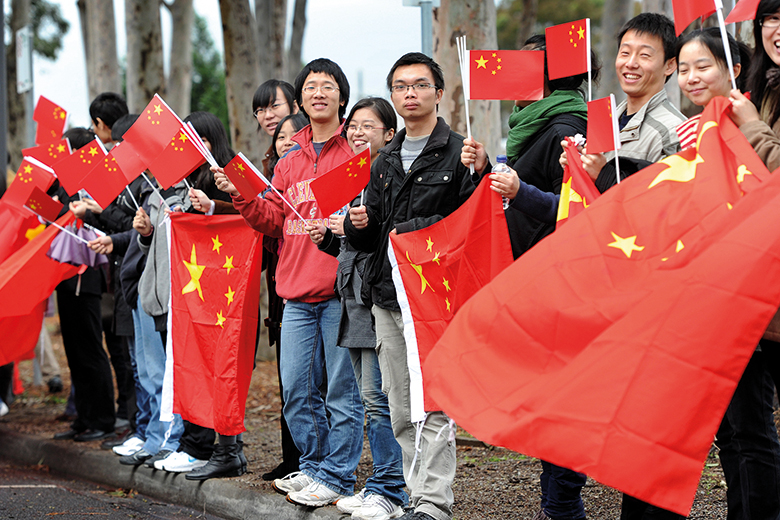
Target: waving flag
568	49
105	182
342	184
578	190
245	177
51	119
49	153
152	131
507	75
179	159
686	11
43	205
603	131
744	10
72	169
30	173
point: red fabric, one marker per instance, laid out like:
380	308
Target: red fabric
744	10
577	191
601	129
213	339
20	335
567	49
28	175
105	182
179	159
153	130
248	184
507	75
43	205
621	362
438	268
686	11
19	227
49	153
72	169
343	183
130	164
51	119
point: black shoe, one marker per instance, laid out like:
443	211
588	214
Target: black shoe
280	471
93	435
160	455
242	456
136	459
225	462
55	385
120	438
66	436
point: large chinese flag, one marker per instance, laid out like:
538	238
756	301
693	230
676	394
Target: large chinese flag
30	173
340	185
243	176
215	290
568	49
152	131
686	11
506	75
51	119
613	347
438	268
603	133
49	153
72	169
105	181
577	191
744	10
179	159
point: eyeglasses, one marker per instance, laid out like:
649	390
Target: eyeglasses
771	21
325	89
273	108
398	89
366	128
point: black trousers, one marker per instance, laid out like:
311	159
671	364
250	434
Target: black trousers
90	371
635	509
118	349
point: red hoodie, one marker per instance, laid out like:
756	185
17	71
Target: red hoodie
304	273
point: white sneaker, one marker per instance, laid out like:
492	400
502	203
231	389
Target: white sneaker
158	464
293	482
315	495
378	507
129	447
3	408
351	504
180	462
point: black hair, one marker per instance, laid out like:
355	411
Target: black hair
210	127
653	24
381	107
413	58
265	95
712	40
79	137
109	107
121	126
298	121
323	66
757	81
539	42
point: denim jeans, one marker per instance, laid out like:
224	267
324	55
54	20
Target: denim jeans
143	412
327	429
562	492
150	360
387	478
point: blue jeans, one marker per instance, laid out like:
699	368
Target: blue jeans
562	492
327	429
143	412
387	478
150	360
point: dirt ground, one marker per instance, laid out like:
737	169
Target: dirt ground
490	482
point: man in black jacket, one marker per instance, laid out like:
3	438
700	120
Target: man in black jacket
416	181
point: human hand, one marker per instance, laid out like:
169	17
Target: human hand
222	181
505	183
359	217
200	200
742	109
102	245
473	152
336	224
142	223
316	233
79	208
592	163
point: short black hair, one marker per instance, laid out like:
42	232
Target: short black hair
109	107
79	136
298	121
265	94
381	107
653	24
712	40
323	66
121	126
539	42
413	58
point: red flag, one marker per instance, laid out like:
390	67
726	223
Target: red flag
43	205
179	159
438	268
242	174
614	346
578	191
686	11
343	183
51	119
744	10
603	133
568	49
152	131
506	75
105	181
19	227
49	153
30	173
72	169
215	288
20	334
128	161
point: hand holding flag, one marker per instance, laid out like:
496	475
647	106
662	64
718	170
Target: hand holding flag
340	185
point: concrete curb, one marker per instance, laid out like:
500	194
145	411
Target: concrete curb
219	497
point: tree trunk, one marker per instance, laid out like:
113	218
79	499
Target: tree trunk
296	42
145	75
179	85
242	74
528	22
99	36
477	20
672	90
622	11
271	23
17	116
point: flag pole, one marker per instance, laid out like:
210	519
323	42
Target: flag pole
268	183
726	47
71	233
615	135
189	187
132	197
156	191
590	79
463	59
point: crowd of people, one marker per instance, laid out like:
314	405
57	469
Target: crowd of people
333	312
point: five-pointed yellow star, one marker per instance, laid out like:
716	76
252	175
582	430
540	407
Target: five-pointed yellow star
581	33
28	169
196	271
429	243
741	172
93	151
436	258
446	284
228	264
627	245
61	148
220	319
182	137
217	244
158	109
680	170
229	295
418	269
362	162
481	62
240	166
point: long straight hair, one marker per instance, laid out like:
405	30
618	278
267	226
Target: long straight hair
762	63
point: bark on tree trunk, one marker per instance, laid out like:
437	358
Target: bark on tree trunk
99	36
271	23
477	20
145	75
179	85
17	117
296	42
528	23
621	10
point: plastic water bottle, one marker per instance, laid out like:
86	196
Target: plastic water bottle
501	167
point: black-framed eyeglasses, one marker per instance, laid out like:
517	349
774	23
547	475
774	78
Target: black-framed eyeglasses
398	89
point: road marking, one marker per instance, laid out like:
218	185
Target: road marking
29	486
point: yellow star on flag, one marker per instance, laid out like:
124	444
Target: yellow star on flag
217	244
627	245
581	33
741	172
228	264
28	169
93	151
679	247
229	295
182	137
481	62
34	232
220	319
447	302
196	271
681	170
418	269
240	166
429	243
362	162
158	109
436	258
446	284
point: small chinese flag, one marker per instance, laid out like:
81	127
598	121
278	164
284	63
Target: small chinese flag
49	153
686	11
30	173
603	134
105	181
578	191
128	161
72	169
744	10
178	160
43	205
244	178
152	131
506	75
51	119
343	183
568	49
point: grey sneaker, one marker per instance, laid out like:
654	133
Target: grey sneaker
351	504
314	495
293	482
378	507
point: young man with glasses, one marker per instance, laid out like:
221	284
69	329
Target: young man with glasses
417	180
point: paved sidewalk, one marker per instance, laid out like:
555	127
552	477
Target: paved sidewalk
225	498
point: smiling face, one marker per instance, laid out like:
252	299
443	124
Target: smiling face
366	128
701	77
284	140
273	113
771	37
321	105
641	67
